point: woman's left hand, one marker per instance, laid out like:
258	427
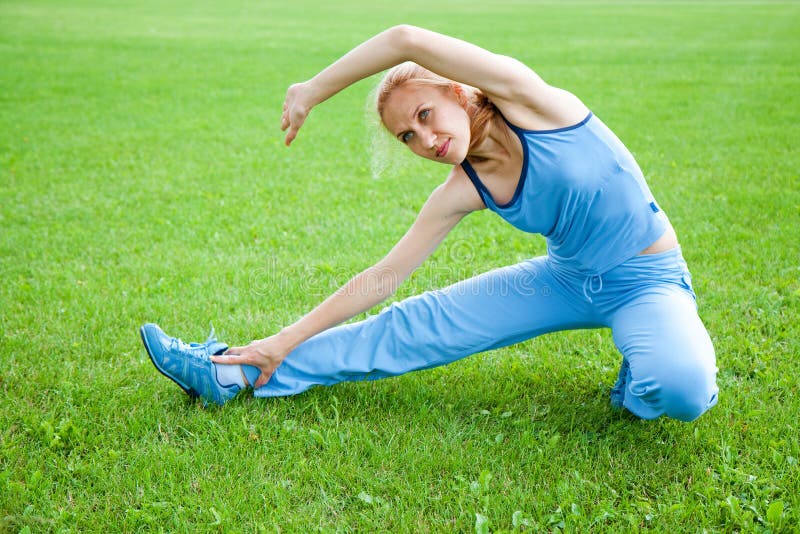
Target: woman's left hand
266	354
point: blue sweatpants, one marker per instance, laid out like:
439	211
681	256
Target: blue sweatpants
648	302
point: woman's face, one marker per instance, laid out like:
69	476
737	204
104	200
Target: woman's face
430	121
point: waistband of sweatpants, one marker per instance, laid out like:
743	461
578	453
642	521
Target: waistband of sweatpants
659	261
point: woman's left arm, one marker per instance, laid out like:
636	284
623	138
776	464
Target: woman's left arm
509	83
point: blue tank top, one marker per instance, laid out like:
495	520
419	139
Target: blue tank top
580	188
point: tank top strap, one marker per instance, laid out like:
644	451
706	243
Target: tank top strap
476	181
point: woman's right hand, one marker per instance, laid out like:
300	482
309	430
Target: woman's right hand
296	108
266	354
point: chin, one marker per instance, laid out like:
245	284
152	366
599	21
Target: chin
457	157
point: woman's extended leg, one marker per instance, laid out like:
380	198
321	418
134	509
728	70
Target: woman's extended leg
491	310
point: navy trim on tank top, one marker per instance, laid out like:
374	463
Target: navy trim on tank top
564	129
482	189
475	181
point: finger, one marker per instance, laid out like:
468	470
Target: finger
233	359
291	135
263	378
234	350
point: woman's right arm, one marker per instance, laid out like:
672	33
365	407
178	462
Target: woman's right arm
378	53
523	97
445	207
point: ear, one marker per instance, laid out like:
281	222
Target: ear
461	97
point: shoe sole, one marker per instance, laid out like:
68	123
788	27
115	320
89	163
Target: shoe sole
192	393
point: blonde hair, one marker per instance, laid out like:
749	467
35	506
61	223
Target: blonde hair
479	108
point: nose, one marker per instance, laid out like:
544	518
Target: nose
428	138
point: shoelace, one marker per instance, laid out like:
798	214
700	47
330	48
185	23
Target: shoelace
212	338
179	345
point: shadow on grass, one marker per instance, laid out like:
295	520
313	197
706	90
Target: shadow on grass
468	392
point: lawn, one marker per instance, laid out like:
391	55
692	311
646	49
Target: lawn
143	179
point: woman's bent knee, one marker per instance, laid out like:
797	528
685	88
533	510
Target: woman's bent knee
690	385
683	390
682	394
687	406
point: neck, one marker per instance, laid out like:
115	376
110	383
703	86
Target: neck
499	145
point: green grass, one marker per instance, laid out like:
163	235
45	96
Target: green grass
143	178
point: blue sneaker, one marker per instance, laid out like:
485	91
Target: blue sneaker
188	364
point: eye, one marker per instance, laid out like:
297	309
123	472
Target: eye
424	114
406	137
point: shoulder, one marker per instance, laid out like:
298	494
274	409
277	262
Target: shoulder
453	199
458	193
542	107
528	101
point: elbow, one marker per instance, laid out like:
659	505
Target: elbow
404	37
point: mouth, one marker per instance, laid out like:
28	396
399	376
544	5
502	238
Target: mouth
443	149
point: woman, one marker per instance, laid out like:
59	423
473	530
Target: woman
535	155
